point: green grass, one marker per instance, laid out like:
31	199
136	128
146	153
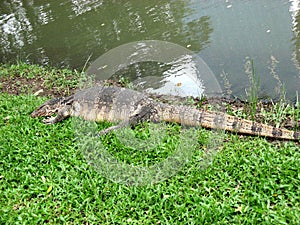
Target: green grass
45	179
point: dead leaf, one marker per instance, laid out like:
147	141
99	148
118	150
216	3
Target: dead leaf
239	209
38	92
49	189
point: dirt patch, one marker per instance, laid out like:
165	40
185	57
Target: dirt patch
20	85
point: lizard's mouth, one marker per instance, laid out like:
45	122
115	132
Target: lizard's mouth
46	112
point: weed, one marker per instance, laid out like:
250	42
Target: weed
296	112
226	83
125	82
201	101
254	91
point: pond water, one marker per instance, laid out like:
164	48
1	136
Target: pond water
225	36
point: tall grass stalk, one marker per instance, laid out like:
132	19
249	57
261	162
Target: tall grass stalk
296	115
280	109
254	89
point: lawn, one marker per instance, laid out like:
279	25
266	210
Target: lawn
45	178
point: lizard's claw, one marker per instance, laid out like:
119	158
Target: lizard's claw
49	120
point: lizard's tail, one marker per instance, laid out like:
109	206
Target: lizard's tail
217	120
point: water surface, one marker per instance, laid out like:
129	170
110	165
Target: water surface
226	34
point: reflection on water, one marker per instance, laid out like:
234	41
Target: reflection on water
67	32
294	9
15	28
258	30
226	34
182	72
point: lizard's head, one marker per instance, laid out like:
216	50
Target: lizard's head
50	107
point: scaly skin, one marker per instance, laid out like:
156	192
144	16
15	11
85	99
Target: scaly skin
116	104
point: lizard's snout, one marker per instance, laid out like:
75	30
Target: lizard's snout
38	112
43	111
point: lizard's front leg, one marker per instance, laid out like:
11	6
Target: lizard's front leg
142	113
62	114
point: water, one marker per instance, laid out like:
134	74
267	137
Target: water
226	35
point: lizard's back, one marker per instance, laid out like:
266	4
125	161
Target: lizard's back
107	103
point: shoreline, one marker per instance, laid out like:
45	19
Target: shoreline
22	78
